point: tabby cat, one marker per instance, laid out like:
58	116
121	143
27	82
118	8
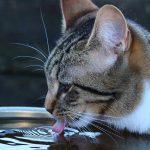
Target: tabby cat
99	70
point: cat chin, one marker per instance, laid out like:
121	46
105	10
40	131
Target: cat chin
83	122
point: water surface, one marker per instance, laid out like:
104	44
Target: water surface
42	138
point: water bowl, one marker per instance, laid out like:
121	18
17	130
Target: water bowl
28	128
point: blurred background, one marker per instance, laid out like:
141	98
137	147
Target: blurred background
20	22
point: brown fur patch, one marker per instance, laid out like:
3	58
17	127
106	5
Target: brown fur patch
125	77
138	57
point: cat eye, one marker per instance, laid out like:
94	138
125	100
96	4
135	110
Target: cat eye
63	88
95	91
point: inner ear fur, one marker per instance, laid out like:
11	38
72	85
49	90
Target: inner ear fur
111	29
74	9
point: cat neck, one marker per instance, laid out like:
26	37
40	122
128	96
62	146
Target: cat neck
139	120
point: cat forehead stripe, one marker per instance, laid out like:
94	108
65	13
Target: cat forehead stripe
106	59
73	36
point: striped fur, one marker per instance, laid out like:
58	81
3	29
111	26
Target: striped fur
78	62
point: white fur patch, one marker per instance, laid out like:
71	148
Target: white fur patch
84	121
139	120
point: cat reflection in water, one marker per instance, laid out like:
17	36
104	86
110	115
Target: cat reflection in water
99	70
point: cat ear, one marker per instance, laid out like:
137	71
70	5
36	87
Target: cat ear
111	30
74	9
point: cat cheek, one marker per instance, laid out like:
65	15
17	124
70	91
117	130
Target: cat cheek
99	61
77	71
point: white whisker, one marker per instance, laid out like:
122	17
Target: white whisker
34	66
100	115
29	57
100	121
80	129
40	98
86	129
29	46
37	70
83	130
101	129
90	115
106	126
45	30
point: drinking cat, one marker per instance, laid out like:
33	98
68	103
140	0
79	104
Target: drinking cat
99	70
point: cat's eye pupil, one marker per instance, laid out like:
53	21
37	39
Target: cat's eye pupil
63	88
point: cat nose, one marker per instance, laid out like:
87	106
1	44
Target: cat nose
63	88
50	103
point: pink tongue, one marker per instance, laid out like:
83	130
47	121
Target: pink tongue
59	126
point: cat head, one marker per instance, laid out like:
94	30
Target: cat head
89	72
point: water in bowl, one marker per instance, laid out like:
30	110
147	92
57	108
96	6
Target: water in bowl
29	129
41	138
